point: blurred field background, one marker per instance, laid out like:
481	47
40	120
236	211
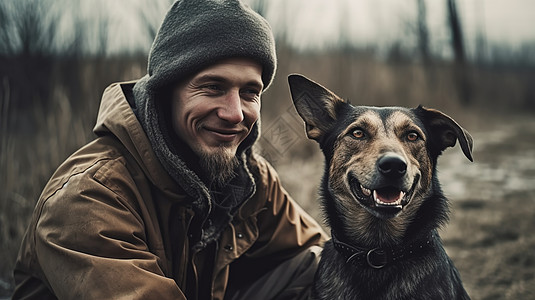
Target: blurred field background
57	57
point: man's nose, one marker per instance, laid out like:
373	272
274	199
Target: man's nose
231	109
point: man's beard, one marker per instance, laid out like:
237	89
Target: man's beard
219	165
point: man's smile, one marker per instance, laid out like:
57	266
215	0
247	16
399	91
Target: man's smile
224	134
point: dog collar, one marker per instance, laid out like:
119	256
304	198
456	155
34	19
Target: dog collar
378	257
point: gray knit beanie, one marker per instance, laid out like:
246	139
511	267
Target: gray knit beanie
198	33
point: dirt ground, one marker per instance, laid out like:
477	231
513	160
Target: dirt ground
490	234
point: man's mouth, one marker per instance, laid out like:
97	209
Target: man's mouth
225	135
384	201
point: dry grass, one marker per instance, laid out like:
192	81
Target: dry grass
34	141
27	161
489	240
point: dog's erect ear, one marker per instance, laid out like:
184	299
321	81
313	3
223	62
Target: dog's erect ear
315	104
446	130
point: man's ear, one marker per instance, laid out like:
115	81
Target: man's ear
315	104
444	131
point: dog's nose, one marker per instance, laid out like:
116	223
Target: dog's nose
392	165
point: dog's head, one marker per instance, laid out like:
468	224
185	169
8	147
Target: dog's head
381	158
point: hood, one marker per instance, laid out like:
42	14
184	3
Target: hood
116	117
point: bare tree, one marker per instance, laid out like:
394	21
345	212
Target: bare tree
6	46
151	14
423	34
260	6
35	26
102	34
30	43
75	47
460	73
481	41
456	32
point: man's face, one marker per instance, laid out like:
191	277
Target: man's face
215	110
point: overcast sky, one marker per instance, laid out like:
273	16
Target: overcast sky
318	22
379	23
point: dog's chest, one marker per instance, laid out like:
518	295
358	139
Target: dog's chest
338	279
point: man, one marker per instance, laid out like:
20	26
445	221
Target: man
169	201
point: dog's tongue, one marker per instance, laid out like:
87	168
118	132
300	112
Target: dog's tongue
388	195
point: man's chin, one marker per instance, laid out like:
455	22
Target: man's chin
219	163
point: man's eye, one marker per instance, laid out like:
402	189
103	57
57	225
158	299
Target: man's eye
250	94
213	87
215	90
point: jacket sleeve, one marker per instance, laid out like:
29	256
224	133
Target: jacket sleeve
90	242
285	229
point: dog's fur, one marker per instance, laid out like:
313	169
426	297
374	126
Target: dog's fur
381	197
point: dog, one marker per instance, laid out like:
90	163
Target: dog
381	197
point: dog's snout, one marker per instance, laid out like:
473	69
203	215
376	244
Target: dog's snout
392	165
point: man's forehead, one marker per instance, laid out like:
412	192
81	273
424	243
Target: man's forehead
240	69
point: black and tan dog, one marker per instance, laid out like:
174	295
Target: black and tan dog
381	197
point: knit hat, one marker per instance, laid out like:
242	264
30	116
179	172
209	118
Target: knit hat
198	33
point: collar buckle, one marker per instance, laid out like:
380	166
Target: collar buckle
376	258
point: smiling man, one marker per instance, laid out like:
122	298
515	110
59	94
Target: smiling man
169	201
216	110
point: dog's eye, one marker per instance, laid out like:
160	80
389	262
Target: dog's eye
412	136
359	133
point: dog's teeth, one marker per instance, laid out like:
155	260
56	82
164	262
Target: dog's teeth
397	202
365	191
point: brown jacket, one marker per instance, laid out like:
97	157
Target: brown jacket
112	224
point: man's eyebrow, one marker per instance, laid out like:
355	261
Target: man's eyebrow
255	84
209	77
216	78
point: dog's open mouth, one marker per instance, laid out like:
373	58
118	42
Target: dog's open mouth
384	201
